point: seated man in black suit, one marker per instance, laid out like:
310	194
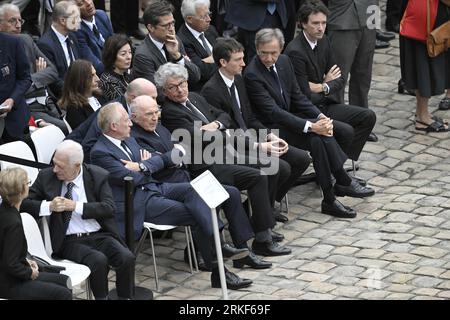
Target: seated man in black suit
198	37
80	204
226	91
189	116
279	103
159	202
155	138
319	76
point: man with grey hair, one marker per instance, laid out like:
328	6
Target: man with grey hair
159	202
77	200
198	37
192	113
279	103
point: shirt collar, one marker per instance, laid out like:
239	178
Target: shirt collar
194	32
158	44
90	24
311	44
227	81
62	38
115	141
78	181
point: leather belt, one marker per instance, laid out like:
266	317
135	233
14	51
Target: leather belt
80	235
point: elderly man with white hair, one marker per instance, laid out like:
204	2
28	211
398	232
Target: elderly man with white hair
78	200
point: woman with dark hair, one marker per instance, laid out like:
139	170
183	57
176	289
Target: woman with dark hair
20	278
80	92
117	61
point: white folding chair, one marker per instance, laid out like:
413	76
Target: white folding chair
149	227
18	149
45	141
76	272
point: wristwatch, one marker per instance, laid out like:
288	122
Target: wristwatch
142	167
325	89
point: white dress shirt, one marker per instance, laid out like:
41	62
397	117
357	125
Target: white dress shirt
62	39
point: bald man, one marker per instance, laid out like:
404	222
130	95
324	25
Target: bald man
87	133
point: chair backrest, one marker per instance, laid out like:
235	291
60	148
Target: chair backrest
18	149
45	141
33	235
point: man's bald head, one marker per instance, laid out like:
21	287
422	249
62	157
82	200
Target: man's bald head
145	112
140	87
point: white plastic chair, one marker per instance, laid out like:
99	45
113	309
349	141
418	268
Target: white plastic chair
77	272
45	141
149	227
18	149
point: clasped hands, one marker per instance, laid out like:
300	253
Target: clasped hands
61	204
274	146
134	166
323	127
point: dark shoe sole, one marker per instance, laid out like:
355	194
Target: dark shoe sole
338	215
245	285
273	254
356	195
240	265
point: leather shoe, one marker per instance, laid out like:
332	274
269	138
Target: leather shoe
276	236
381	44
337	209
361	181
372	137
269	249
354	190
280	218
230	252
234	282
200	262
385	36
253	261
444	104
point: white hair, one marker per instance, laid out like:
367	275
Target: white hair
189	7
73	150
167	71
7	7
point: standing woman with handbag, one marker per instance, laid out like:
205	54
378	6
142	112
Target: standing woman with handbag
19	276
428	76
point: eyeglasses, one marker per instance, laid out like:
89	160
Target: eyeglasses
175	87
204	17
14	21
168	25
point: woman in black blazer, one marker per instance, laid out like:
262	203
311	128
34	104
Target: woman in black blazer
19	276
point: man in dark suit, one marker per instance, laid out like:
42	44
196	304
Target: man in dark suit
162	203
125	17
80	204
253	15
95	29
198	37
226	91
280	104
319	76
191	119
15	81
161	45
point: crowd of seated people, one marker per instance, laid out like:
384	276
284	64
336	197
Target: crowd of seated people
273	107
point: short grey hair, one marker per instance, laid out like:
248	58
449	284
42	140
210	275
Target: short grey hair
108	115
7	7
169	70
267	35
189	7
73	150
61	9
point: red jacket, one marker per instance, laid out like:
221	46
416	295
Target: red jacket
414	21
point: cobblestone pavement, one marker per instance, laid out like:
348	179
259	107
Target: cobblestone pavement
398	247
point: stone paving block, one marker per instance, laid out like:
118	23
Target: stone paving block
317	266
431	252
400	206
414	148
424	231
369	253
304	242
400	288
444	285
430	221
320	287
371	263
317	296
427	211
311	276
399	247
374	295
397	237
400	217
426	159
399	296
338	240
401	257
370	244
378	215
429	271
347	291
283	273
344	250
426	282
400	278
424	241
347	271
395	227
389	162
398	154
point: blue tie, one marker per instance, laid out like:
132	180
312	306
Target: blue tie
271	7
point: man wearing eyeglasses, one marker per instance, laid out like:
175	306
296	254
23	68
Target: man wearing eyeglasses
161	45
198	37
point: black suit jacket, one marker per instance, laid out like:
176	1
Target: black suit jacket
100	205
14	267
196	52
51	47
289	110
309	67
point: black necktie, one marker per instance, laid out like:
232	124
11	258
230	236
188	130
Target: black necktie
69	50
68	214
205	44
315	52
236	110
168	58
274	75
97	33
196	112
127	150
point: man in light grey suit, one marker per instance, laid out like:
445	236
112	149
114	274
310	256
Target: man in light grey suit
43	71
353	38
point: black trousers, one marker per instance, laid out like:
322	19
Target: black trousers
124	15
98	251
47	286
356	123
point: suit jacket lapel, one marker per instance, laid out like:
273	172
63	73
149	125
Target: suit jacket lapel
312	58
88	184
58	47
154	50
194	41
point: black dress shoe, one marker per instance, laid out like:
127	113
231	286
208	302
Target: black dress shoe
385	36
381	44
276	236
280	218
403	89
230	252
234	282
253	261
138	34
337	209
372	137
354	190
200	262
361	181
269	249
